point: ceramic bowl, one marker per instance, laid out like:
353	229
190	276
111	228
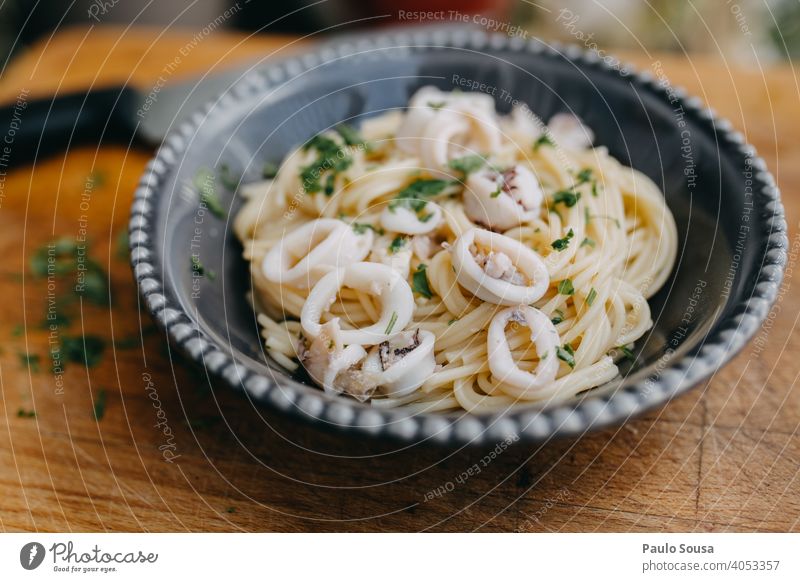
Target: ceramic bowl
730	220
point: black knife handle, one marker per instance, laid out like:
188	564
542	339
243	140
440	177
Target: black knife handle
37	128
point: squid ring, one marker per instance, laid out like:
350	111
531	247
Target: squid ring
411	365
405	220
321	245
503	200
498	290
397	301
517	382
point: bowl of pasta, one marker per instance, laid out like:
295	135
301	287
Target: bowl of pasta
454	237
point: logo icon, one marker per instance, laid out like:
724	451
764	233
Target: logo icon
31	555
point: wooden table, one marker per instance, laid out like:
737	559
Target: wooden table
724	457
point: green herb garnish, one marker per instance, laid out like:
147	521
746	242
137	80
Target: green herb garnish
559	317
627	353
565	287
567	197
566	354
467	164
206	186
423	188
123	250
100	404
361	228
331	158
197	267
587	242
30	361
397	244
542	140
86	350
392	321
562	243
227	178
350	135
269	170
584	176
436	105
330	185
591	296
22	413
420	282
96	179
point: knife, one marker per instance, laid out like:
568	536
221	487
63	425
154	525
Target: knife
126	115
120	115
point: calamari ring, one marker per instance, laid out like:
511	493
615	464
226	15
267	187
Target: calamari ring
323	244
513	380
472	276
397	302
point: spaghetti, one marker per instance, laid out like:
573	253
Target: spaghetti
447	257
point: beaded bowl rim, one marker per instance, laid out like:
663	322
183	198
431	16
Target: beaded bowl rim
570	419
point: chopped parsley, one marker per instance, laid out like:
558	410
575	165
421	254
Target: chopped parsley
584	176
361	228
542	140
30	361
587	242
227	178
18	330
558	318
198	270
627	353
413	196
467	164
591	296
497	192
95	179
350	135
392	321
123	250
420	282
331	157
330	184
100	404
22	413
269	170
86	350
452	321
565	287
568	197
436	105
65	256
566	354
423	188
230	510
206	186
562	243
398	243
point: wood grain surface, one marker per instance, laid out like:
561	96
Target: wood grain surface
724	457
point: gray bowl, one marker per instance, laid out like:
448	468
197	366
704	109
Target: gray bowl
730	219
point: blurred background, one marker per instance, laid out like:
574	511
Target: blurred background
742	29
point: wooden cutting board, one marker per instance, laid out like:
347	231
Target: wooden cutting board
167	454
